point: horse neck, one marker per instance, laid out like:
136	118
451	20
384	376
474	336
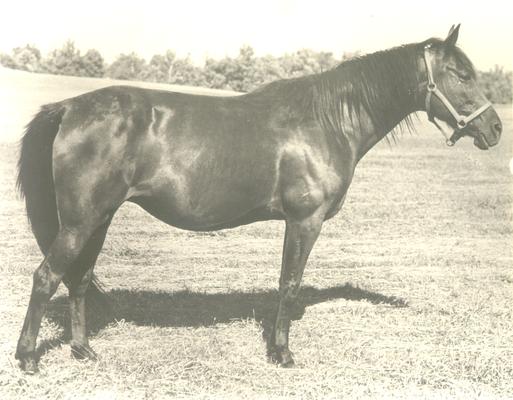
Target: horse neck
376	95
368	137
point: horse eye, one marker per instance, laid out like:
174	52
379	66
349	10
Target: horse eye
462	77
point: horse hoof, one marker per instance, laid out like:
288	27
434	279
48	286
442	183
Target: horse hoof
28	365
283	358
286	360
81	352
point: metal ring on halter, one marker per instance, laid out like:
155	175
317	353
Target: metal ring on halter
454	138
462	124
431	87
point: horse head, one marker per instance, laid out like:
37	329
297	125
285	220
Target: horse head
453	95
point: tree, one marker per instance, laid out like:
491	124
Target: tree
92	64
305	61
347	55
243	73
497	85
214	73
264	70
159	68
7	61
184	72
170	69
231	73
64	61
27	58
127	66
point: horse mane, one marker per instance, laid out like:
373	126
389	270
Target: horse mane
383	84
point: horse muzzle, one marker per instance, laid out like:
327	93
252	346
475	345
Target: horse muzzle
480	142
489	139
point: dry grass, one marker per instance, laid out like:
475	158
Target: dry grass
408	293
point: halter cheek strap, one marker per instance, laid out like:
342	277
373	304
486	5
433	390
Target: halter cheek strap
432	90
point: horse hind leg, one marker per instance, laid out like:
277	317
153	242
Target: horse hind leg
77	280
64	250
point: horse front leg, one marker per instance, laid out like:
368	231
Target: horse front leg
300	236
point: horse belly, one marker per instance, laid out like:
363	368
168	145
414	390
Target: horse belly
209	194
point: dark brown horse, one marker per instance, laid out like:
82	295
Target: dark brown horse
286	151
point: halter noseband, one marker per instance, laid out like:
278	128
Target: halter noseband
432	89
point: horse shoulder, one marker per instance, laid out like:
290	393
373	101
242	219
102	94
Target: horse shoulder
308	179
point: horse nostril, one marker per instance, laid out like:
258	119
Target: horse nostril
498	128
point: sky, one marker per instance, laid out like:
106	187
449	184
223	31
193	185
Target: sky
218	28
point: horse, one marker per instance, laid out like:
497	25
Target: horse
285	151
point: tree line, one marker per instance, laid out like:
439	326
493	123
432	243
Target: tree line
242	73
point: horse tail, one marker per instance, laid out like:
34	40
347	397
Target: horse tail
35	180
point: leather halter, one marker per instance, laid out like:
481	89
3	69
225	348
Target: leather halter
432	89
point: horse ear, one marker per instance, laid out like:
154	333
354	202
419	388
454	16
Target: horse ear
452	37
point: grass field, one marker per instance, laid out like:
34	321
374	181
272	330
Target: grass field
407	294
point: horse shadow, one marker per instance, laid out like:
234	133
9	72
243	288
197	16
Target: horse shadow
192	309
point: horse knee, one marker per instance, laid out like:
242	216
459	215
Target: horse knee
44	283
64	250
